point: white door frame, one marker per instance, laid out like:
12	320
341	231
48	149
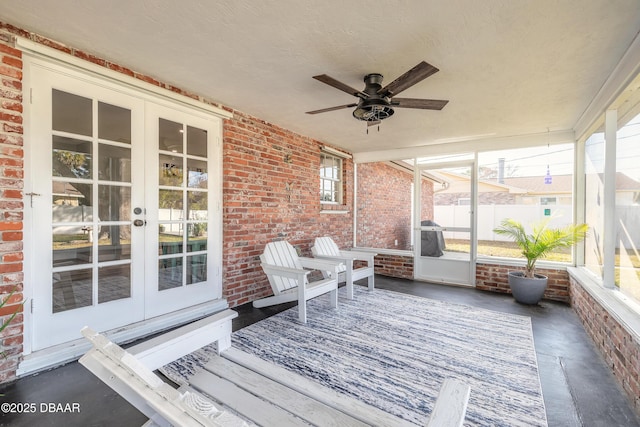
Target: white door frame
446	269
38	55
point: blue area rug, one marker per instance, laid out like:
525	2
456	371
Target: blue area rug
393	351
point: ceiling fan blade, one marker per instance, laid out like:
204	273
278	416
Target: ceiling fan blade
340	86
324	110
425	104
373	123
408	79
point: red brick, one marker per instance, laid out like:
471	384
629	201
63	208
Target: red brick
12	62
10	309
11	139
12	105
10	268
13	118
13	173
11	236
88	57
12	194
10	51
50	43
10	225
12	128
8	342
17	162
10	71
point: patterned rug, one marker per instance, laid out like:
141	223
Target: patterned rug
393	351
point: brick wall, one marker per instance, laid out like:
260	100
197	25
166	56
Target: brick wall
493	277
11	205
400	266
621	351
271	192
384	206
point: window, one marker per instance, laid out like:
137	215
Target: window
627	260
330	179
594	202
518	184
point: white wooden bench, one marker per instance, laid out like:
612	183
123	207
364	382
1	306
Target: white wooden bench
451	406
326	248
316	404
257	390
140	386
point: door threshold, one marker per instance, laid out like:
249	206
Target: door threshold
60	354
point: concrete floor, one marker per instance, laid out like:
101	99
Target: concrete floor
578	388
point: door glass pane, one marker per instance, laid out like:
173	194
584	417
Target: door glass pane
114	282
72	113
170	204
197	237
71	202
198	177
72	245
114	242
114	123
169	273
72	289
114	163
71	157
171	170
115	203
196	269
170	239
450	205
196	142
170	136
197	205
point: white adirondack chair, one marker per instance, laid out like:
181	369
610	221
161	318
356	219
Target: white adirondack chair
326	248
288	276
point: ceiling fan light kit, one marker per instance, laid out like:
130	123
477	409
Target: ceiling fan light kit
377	103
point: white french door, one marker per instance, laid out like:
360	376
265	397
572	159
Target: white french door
180	200
122	207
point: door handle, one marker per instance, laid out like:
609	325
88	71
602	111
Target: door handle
139	223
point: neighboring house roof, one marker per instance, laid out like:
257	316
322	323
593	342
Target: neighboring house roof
66	189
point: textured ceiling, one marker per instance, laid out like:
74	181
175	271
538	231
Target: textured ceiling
507	67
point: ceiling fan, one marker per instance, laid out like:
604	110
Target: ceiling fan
376	103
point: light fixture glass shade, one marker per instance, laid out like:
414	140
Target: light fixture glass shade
372	113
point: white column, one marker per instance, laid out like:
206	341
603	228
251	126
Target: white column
609	198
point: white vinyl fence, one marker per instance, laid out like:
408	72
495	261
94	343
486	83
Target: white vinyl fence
490	216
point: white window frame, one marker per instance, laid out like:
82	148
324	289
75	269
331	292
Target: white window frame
337	184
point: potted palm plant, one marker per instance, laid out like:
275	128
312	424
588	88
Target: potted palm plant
526	286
